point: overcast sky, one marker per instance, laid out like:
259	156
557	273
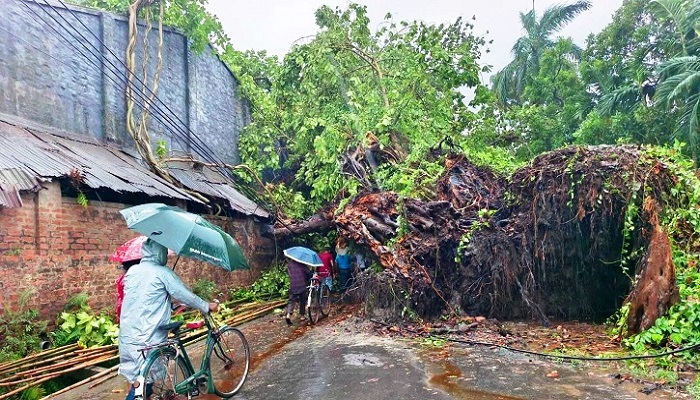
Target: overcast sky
274	25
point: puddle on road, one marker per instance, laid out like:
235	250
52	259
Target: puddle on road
445	376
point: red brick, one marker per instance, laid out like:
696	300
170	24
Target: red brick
65	251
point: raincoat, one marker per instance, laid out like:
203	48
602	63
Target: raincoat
148	290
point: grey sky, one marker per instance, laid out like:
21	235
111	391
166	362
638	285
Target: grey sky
274	25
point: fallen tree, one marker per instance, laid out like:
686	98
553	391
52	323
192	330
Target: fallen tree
572	235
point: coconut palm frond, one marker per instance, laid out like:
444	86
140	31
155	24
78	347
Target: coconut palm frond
687	127
576	51
554	18
684	85
522	47
503	80
621	99
694	122
529	21
678	77
678	13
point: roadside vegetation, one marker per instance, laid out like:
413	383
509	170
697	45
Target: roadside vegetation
356	124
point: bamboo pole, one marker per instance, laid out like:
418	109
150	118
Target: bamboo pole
83	358
11	365
97	348
8	382
42	362
52	376
84	381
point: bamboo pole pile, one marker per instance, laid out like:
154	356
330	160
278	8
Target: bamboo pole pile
19	375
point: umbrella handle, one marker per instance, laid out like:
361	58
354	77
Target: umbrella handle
176	260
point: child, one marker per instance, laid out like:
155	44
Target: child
120	284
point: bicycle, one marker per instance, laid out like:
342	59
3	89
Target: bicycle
318	301
168	371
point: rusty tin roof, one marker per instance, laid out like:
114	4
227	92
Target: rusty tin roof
30	154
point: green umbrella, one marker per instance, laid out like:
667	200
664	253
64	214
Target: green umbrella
186	234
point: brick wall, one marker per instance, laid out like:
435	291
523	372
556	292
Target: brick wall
60	249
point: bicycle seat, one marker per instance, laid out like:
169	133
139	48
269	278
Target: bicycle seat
172	327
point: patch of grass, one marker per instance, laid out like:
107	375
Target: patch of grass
694	388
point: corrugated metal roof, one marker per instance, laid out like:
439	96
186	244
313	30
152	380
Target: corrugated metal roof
33	153
208	182
30	155
9	196
19	179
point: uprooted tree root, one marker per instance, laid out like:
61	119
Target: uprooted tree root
556	239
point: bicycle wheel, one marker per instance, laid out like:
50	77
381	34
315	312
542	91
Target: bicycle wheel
229	362
162	372
314	308
325	300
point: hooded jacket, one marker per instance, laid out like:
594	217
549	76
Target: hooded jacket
148	292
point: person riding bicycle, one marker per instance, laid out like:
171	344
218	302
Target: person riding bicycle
148	292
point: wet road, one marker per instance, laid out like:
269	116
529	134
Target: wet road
338	359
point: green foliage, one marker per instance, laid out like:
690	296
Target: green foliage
694	388
434	342
82	199
412	180
191	16
33	393
20	332
161	148
272	284
77	323
395	92
205	288
511	82
484	221
681	218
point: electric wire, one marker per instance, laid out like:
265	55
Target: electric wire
157	113
90	59
199	146
186	138
546	355
567	357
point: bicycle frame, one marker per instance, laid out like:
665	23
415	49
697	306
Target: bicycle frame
314	285
190	383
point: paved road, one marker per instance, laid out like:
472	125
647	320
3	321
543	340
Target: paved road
338	359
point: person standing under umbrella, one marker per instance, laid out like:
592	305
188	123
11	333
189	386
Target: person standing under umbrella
299	276
148	292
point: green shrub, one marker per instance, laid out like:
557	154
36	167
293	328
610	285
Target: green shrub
20	332
77	323
272	284
205	288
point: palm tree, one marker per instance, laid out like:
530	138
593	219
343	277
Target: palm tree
679	77
509	83
679	90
